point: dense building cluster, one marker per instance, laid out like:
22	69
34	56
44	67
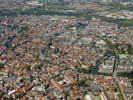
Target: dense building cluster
66	55
51	57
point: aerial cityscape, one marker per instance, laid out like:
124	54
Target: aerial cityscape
66	49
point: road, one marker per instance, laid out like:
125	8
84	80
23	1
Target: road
116	78
121	89
131	42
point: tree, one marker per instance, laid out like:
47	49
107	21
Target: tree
1	94
66	94
1	65
132	83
